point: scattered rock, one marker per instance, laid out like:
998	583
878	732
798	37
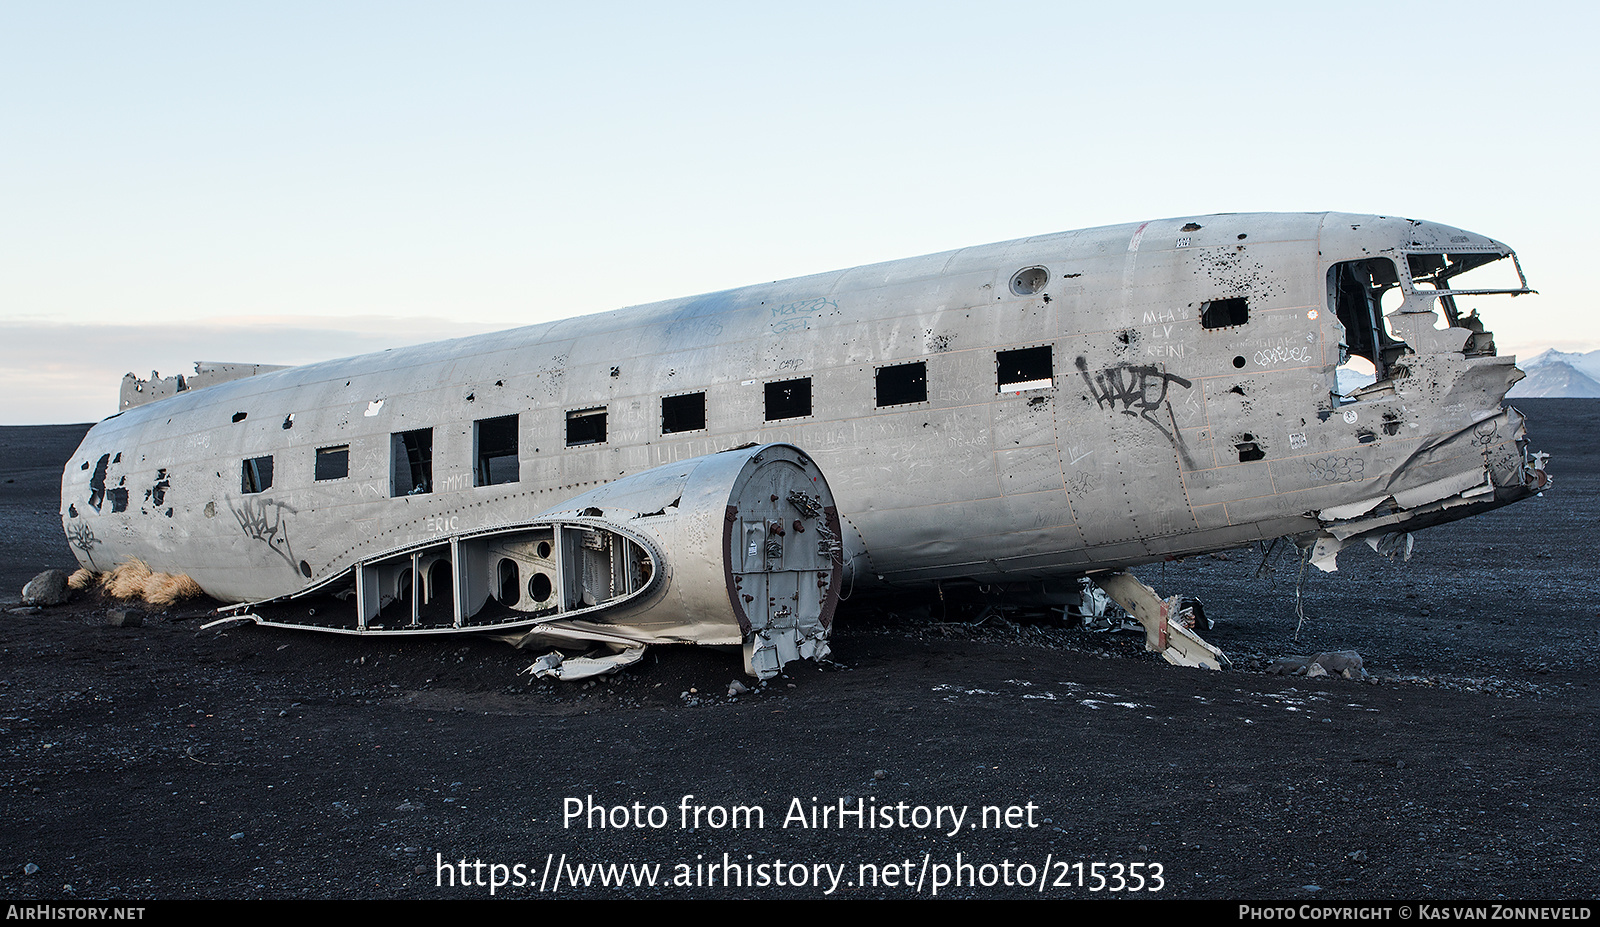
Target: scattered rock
1345	663
48	588
125	618
737	688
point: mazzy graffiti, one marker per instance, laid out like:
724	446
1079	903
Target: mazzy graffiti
263	520
803	307
796	316
1132	390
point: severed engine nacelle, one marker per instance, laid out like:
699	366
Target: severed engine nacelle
741	547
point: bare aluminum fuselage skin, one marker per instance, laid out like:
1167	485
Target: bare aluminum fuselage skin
1152	435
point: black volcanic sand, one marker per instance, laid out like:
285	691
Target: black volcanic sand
165	761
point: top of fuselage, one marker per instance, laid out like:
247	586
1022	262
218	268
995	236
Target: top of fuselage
1337	236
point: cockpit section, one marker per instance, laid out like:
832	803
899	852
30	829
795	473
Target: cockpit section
1390	307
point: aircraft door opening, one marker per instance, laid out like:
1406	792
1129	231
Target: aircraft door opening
1357	291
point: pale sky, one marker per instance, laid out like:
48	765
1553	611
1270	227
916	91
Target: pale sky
287	182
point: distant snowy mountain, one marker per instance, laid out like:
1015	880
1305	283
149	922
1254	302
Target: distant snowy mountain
1351	380
1587	363
1559	375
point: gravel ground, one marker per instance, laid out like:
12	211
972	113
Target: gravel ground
163	761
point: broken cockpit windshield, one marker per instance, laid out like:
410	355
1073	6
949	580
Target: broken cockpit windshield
1454	280
1362	294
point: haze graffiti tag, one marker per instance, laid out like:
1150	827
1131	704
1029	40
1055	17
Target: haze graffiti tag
1138	391
262	520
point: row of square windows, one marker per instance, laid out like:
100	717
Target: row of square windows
494	440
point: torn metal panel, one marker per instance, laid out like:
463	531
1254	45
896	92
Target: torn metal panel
1165	630
737	548
556	665
1485	465
137	392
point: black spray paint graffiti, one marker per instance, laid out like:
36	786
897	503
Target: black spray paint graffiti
262	520
1138	391
82	537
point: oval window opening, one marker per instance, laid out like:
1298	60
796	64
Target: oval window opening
508	582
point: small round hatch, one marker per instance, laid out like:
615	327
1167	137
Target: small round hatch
1029	280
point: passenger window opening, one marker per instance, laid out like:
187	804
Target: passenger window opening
902	384
506	573
1024	369
495	444
255	475
683	413
411	462
586	426
1225	313
789	399
333	463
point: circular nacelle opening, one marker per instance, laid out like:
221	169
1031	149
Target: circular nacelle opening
539	587
1029	280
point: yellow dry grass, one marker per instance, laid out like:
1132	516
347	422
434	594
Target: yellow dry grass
135	580
126	580
82	578
167	588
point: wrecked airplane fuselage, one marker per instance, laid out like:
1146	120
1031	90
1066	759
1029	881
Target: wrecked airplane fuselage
1014	415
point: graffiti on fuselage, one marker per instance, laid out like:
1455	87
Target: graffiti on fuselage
1136	390
263	520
